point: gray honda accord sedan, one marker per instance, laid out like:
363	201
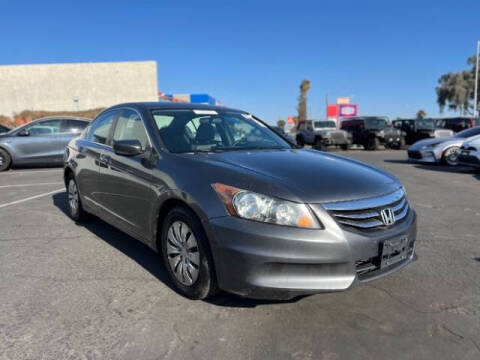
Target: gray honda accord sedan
231	205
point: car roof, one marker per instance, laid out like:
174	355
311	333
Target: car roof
66	117
174	105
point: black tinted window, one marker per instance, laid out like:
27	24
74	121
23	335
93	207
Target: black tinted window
469	132
101	127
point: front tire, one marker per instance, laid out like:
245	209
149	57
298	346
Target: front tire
75	208
373	144
319	145
5	160
186	254
345	147
300	141
450	156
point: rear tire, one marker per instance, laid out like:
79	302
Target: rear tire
186	254
75	208
5	160
345	147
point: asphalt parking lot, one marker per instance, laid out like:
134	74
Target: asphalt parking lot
90	291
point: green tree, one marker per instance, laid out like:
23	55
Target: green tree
421	114
456	90
281	124
302	100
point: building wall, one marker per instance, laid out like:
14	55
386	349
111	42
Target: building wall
54	87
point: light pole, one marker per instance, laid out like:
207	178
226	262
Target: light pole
475	97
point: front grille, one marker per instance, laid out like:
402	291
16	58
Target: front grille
365	214
443	133
414	154
337	137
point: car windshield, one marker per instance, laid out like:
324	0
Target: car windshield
468	133
376	123
325	124
425	124
185	131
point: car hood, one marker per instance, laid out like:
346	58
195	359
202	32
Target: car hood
444	141
472	141
313	176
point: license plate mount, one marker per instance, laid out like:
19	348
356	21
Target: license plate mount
394	251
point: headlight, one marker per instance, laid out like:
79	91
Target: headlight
257	207
430	146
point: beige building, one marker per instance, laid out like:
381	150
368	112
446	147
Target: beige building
76	86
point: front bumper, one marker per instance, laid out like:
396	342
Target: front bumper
266	261
469	158
422	156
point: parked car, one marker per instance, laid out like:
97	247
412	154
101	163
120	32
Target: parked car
231	205
441	150
282	133
418	129
469	154
457	124
4	129
41	142
321	134
372	131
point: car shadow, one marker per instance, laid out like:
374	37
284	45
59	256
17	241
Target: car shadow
150	260
437	167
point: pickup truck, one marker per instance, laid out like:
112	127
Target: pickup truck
321	134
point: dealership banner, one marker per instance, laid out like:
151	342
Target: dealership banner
347	110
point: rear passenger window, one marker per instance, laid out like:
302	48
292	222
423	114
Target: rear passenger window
74	126
101	127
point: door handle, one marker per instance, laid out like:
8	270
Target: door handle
104	159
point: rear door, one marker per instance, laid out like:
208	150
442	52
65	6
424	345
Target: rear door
126	180
90	149
71	128
39	143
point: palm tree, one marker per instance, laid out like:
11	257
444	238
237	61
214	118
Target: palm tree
302	100
421	114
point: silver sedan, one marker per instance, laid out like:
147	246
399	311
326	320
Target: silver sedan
441	149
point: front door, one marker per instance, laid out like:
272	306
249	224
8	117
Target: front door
126	180
38	143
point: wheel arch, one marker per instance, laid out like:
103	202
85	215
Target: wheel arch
66	172
162	212
8	151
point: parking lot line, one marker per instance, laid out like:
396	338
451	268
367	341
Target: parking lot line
13	172
37	184
31	198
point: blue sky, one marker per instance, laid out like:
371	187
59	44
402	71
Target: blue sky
386	55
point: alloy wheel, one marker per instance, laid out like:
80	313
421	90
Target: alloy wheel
73	196
182	252
451	156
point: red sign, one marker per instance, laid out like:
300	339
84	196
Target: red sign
290	120
348	110
332	111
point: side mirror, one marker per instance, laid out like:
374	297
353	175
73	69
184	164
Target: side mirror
24	132
127	147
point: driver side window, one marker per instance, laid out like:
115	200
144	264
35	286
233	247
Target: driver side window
130	127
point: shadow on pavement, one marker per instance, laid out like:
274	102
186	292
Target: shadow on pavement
149	259
438	167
